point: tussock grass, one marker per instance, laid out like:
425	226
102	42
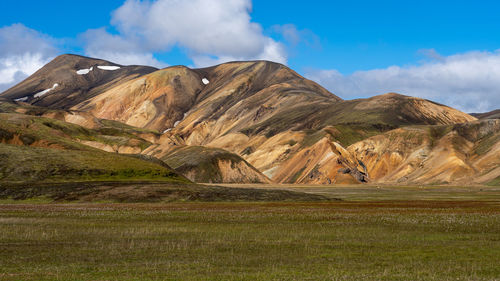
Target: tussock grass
412	240
169	190
22	164
495	182
67	135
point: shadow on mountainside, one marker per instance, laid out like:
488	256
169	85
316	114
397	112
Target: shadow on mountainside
149	192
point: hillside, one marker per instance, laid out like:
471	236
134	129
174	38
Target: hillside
466	153
164	99
495	114
38	149
70	79
47	159
35	129
212	165
260	121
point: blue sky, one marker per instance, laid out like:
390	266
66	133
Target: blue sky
354	48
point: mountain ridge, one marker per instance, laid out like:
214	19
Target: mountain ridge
280	124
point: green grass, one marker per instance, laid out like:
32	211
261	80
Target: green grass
296	176
380	192
124	127
495	182
33	164
436	132
64	134
412	240
312	137
317	116
486	144
347	134
203	160
145	191
50	150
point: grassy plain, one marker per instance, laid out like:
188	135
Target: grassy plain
376	192
453	236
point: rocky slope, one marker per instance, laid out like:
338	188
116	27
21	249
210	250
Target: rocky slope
38	149
70	79
495	114
226	97
212	165
271	123
465	153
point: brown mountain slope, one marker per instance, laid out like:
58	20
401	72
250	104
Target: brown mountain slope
40	135
86	123
287	127
154	101
462	153
458	154
44	157
261	111
162	99
212	165
320	164
403	110
255	109
58	84
268	144
37	149
495	114
21	129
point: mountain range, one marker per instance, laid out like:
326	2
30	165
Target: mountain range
237	122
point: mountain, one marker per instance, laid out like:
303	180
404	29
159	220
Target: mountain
468	153
42	156
70	79
495	114
161	100
259	121
209	165
40	149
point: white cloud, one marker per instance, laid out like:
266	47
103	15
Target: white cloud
468	81
210	31
103	45
289	32
22	52
295	36
431	54
272	50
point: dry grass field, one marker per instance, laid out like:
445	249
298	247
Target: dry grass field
367	192
444	234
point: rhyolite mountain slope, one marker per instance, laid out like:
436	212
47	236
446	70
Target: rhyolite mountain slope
467	153
283	127
53	159
212	165
66	130
70	79
246	92
495	114
38	149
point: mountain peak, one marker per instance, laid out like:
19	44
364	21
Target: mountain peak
70	79
262	113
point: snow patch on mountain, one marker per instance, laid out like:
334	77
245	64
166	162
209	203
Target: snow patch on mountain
22	99
84	71
108	67
39	94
